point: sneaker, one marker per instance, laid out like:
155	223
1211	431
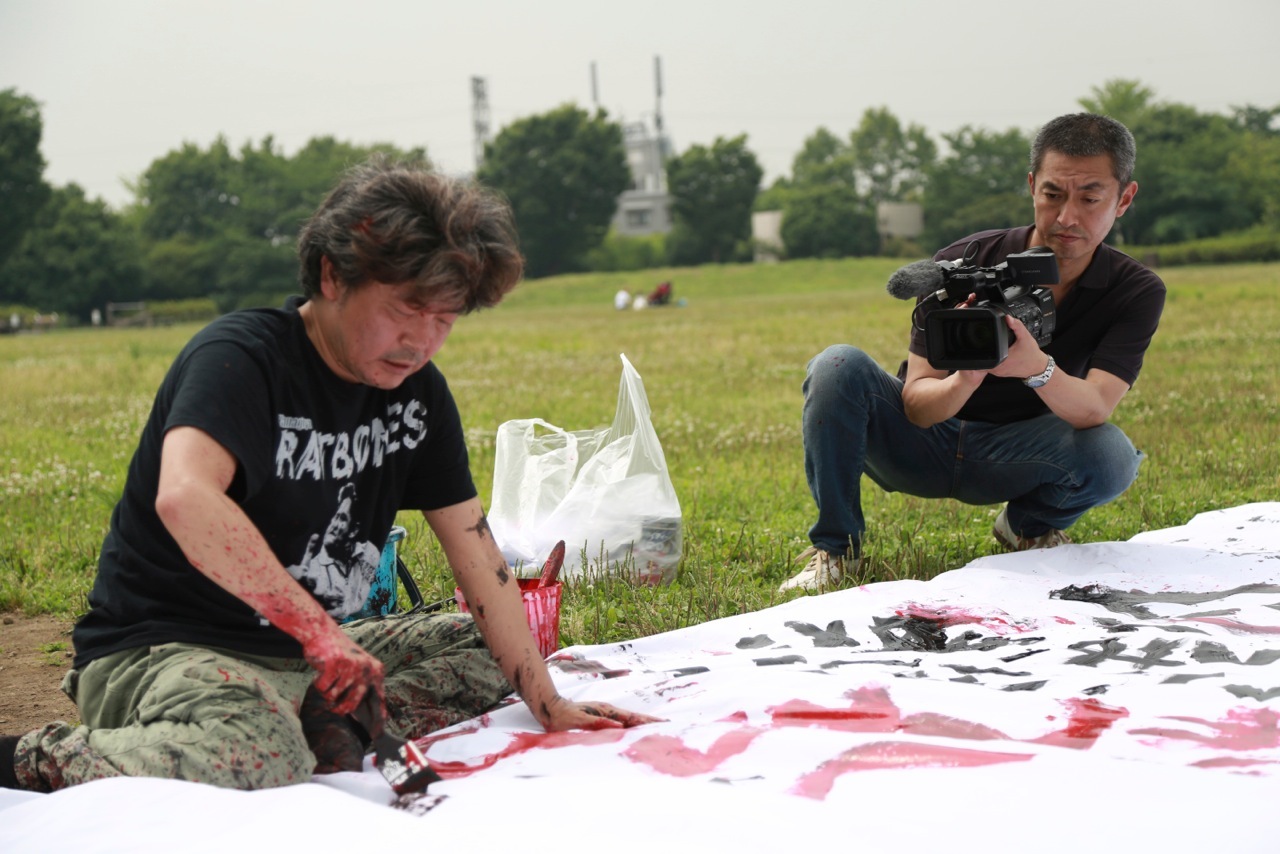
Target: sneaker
1014	542
823	570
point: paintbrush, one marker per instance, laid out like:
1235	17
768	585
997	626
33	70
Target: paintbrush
401	763
551	569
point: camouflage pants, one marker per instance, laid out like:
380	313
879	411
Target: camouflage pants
234	720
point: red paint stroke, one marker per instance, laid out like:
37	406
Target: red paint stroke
1088	720
945	726
946	616
1241	729
1230	762
882	755
1231	625
873	711
669	755
738	717
521	742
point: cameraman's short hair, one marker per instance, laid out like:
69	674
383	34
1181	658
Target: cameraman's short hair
1087	135
399	223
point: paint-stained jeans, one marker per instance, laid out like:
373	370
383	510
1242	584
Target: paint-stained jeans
232	720
854	423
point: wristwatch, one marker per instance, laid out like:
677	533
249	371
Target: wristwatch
1041	378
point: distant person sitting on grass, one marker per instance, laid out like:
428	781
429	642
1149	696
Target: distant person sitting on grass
1033	431
661	294
279	449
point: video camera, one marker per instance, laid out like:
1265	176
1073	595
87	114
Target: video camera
966	305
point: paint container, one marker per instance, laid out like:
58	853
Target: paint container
385	589
541	608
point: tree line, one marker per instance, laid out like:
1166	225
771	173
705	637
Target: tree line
220	223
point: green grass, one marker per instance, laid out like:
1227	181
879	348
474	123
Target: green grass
723	377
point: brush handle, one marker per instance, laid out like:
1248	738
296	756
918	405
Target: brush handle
551	569
402	764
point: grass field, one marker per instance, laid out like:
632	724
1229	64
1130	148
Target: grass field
723	377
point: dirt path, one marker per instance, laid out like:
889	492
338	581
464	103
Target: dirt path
35	652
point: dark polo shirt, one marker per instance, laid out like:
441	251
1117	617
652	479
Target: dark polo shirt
1106	322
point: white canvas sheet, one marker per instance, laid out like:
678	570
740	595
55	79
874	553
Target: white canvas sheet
1111	696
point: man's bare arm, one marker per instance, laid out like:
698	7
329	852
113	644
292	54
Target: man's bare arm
930	395
493	595
220	541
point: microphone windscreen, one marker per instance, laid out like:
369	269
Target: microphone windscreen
918	279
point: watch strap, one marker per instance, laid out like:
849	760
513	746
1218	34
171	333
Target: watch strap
1041	378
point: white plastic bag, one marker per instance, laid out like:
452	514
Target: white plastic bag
605	492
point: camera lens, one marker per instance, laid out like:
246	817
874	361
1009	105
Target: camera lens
970	338
967	338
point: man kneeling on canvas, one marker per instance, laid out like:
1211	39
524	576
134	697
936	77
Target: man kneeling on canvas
1031	432
280	448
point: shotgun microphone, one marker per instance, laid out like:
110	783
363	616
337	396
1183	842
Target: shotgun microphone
918	279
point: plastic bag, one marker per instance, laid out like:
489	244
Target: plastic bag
605	492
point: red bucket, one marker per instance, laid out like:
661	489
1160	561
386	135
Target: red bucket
541	607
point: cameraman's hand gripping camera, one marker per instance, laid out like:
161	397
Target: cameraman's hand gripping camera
964	306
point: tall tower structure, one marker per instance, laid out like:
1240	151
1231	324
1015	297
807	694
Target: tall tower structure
645	208
479	117
657	98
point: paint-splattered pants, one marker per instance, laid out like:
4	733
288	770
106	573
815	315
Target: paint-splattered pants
233	720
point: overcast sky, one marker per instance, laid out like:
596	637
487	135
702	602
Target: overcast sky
122	82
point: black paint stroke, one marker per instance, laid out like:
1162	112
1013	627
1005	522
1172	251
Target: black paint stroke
1133	602
1212	651
909	633
781	659
1250	693
1184	678
1011	658
971	641
998	671
1111	624
689	671
1156	652
586	665
833	635
1095	690
755	642
901	633
1026	686
831	665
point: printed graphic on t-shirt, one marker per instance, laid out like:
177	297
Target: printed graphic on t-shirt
304	453
338	567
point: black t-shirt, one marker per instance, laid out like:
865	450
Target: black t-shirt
1105	322
323	466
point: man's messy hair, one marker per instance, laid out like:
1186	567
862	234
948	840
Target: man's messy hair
402	223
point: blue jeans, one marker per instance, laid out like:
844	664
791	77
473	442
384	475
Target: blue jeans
1049	472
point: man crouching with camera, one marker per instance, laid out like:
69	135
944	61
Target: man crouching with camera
1029	429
